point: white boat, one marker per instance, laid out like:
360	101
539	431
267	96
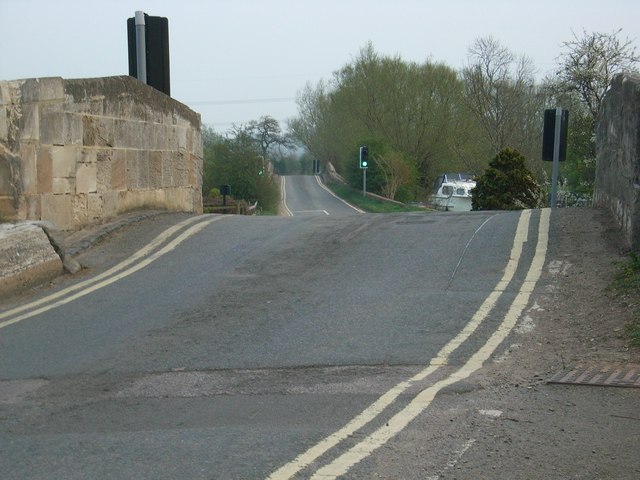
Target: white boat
452	192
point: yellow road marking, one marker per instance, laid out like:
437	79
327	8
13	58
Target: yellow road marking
139	254
370	413
110	276
283	189
399	421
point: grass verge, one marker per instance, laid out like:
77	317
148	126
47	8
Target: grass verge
626	285
368	204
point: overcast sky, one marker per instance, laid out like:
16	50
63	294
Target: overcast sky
236	60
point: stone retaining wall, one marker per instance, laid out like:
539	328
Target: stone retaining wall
78	152
617	152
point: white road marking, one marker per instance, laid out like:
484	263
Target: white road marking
111	275
491	413
324	187
311	211
370	413
399	421
455	458
283	190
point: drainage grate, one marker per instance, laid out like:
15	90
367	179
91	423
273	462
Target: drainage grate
610	375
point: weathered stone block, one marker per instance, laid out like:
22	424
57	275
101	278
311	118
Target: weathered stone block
29	170
618	155
7	208
119	170
72	133
29	90
27	257
195	170
51	89
58	127
32	205
86	178
155	169
132	169
52	127
45	170
168	170
181	138
4	125
143	169
95	208
109	204
80	210
63	186
64	160
98	131
95	105
30	122
58	210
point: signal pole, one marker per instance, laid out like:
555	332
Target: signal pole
363	162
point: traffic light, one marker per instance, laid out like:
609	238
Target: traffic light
364	156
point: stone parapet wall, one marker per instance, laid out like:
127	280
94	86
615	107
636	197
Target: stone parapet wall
617	152
78	152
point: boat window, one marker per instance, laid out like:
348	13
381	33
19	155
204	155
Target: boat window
460	191
447	190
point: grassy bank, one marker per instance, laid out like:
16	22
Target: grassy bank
368	204
627	286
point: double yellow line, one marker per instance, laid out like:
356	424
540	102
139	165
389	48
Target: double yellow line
135	262
342	464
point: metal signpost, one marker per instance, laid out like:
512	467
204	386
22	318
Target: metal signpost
554	144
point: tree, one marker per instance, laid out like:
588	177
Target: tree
267	133
499	91
588	65
408	107
506	184
396	172
235	160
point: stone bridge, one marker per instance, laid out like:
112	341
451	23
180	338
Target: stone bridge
79	152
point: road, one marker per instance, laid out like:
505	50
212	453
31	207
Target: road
258	347
302	196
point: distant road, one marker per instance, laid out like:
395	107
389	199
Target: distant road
306	195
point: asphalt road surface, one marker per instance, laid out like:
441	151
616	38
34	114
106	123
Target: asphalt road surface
258	347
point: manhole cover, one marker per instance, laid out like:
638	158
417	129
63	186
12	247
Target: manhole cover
611	375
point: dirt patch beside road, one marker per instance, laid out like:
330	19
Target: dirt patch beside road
506	421
576	318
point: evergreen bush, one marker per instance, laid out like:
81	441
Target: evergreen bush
507	184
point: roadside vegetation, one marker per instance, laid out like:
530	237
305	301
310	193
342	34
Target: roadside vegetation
420	120
241	160
626	286
370	204
507	184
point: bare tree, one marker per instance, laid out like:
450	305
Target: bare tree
267	133
497	85
588	65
